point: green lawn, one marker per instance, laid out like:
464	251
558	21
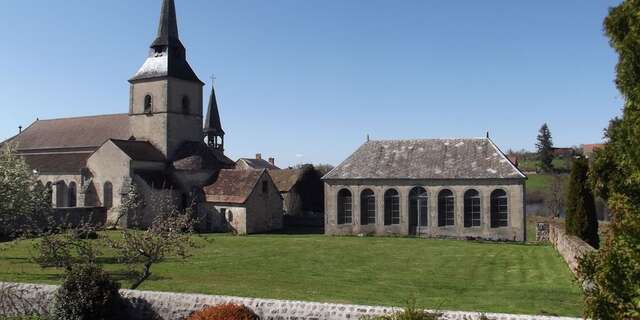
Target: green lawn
444	274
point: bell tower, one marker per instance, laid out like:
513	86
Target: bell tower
212	126
165	104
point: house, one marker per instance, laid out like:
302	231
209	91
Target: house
454	188
302	190
563	152
256	164
160	146
238	199
589	149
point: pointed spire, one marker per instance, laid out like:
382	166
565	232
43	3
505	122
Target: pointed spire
212	125
168	26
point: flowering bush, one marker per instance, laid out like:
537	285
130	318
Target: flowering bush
224	312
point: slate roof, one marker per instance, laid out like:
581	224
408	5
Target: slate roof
139	150
80	132
259	164
197	155
168	56
57	162
286	179
233	186
427	159
212	124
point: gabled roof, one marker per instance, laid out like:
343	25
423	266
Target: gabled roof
81	132
258	164
286	179
233	186
139	150
427	159
57	162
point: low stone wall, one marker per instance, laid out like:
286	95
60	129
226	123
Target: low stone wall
73	217
145	305
571	248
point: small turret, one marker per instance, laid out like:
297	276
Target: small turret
212	126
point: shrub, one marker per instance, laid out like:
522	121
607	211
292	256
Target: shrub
225	312
410	312
86	293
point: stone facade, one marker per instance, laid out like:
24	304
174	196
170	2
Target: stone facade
515	231
173	306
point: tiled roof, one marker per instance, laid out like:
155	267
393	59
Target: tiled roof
197	155
259	164
233	186
139	150
57	162
286	179
82	132
427	159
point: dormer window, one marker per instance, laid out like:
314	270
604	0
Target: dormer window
148	104
186	104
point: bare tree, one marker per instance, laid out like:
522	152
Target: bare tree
555	196
169	234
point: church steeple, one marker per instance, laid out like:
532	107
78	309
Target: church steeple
212	126
167	57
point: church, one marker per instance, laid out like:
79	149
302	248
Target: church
163	146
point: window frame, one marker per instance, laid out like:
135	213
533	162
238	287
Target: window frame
446	208
392	214
368	207
472	208
147	106
344	210
499	208
415	197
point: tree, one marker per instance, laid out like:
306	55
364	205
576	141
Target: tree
24	201
555	195
169	234
545	148
613	272
582	219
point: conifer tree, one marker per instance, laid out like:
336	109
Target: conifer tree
613	272
582	219
545	148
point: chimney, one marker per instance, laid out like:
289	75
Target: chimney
19	129
272	161
258	156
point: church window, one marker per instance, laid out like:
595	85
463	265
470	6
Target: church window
472	210
418	207
391	207
345	203
72	195
108	195
230	216
499	209
148	104
367	207
186	104
446	208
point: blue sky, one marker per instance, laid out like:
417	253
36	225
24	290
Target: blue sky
306	81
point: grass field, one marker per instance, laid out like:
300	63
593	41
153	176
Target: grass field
441	274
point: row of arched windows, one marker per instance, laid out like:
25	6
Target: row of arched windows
148	104
419	208
67	195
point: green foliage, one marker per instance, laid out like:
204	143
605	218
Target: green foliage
87	293
582	219
23	200
613	273
545	148
410	312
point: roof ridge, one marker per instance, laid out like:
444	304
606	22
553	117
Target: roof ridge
83	117
428	139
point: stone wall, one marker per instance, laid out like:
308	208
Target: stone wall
571	248
173	306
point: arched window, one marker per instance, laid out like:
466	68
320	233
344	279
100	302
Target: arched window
73	200
446	208
499	209
186	104
345	202
61	193
418	207
472	211
108	195
391	207
148	104
367	207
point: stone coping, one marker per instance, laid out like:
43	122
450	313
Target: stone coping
177	306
